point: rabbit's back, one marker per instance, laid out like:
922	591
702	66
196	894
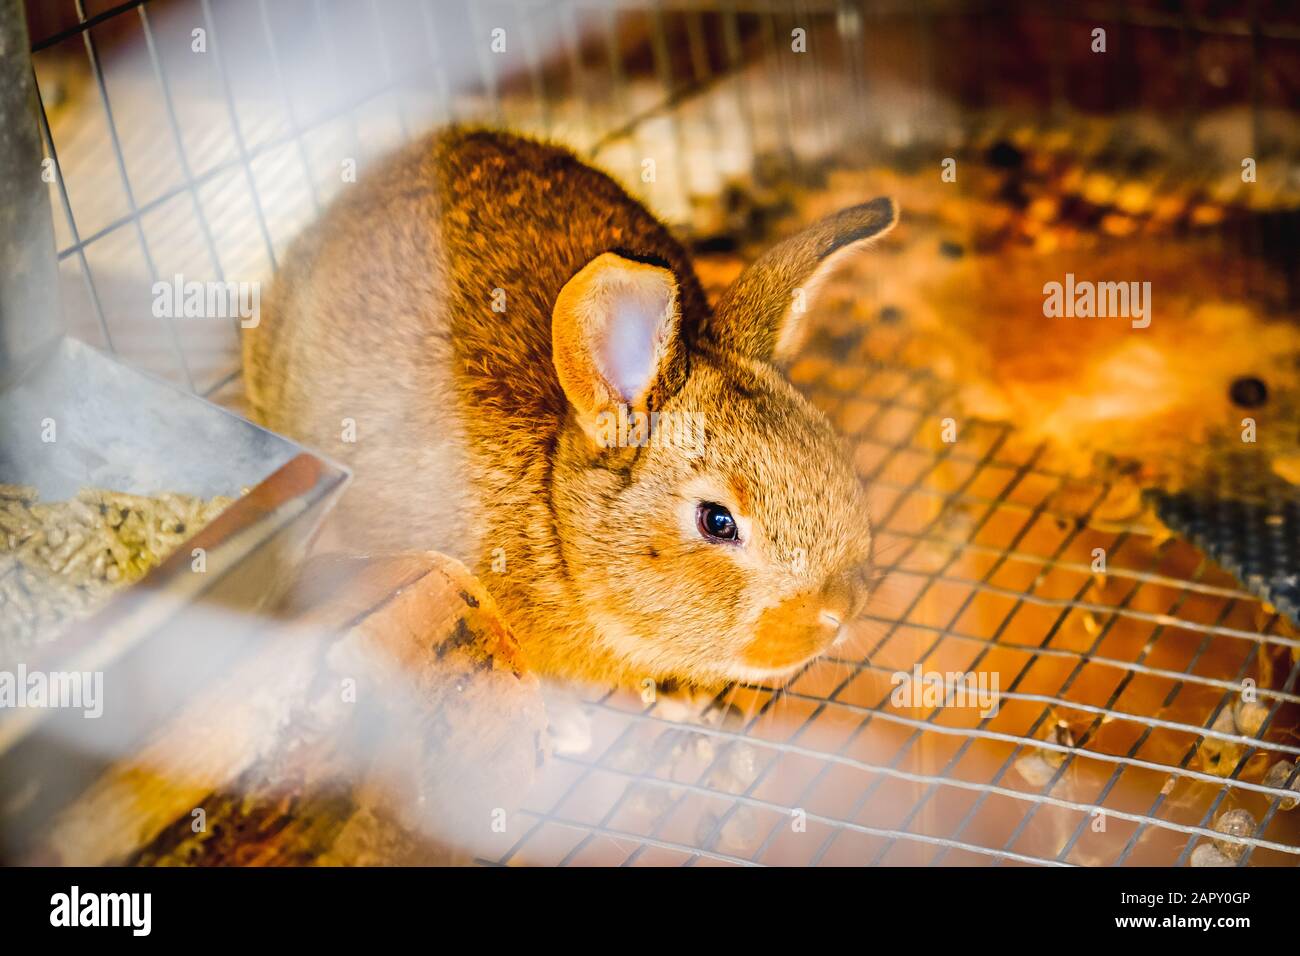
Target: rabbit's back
408	332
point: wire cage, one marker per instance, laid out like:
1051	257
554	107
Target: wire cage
198	137
179	164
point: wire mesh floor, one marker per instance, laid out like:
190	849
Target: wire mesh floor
1112	743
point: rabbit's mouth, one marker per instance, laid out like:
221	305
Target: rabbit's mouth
746	674
790	634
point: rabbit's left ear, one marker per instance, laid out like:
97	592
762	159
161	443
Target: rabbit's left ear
614	337
761	314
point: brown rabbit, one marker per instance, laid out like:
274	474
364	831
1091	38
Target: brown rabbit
478	329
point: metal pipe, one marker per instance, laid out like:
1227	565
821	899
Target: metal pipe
31	315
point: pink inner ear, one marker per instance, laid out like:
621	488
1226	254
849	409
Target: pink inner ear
633	332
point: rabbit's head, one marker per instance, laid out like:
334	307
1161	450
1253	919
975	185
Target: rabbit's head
707	518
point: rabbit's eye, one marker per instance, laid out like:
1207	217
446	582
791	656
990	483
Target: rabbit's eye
715	521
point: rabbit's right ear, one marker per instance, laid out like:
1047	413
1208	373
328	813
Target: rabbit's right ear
761	314
614	338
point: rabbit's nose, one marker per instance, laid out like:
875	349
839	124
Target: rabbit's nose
844	595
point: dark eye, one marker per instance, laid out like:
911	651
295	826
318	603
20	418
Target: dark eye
715	521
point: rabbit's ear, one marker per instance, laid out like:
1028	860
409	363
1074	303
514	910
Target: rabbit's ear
761	314
614	336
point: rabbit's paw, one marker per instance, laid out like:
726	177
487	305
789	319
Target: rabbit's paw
568	723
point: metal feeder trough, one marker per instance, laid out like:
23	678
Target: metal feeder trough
160	640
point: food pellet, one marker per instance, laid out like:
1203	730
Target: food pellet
60	560
1277	776
1234	823
1207	854
1249	717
